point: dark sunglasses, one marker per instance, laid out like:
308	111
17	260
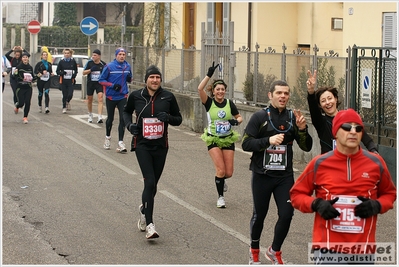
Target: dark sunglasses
348	127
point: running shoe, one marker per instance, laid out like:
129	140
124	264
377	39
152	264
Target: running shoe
100	119
121	148
254	256
40	109
25	120
151	232
225	187
90	119
46	110
64	110
141	223
221	203
274	256
107	143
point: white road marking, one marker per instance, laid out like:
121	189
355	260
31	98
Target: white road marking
83	119
207	217
190	133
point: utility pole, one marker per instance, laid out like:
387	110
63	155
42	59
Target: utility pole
123	24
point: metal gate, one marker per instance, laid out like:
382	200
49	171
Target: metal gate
373	93
218	47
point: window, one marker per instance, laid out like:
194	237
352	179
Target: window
337	24
218	18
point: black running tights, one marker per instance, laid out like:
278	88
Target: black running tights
151	164
111	105
263	187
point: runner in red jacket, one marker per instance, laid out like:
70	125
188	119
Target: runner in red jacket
346	188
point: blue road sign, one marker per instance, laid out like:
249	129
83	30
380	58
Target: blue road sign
89	25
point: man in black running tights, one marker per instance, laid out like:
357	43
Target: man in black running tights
155	108
269	135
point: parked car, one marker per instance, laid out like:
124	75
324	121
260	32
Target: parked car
80	61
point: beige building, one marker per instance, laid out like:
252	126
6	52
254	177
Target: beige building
332	26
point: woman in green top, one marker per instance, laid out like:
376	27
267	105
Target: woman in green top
219	136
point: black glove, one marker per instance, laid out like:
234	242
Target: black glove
129	79
325	208
367	208
233	122
163	116
94	68
117	87
212	69
133	129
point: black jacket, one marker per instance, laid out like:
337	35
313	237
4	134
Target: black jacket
64	65
39	68
145	106
323	126
23	72
261	126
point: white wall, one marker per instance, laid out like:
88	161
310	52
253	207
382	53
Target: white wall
13	12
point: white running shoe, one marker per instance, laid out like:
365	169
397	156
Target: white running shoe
64	110
90	119
221	203
107	143
121	148
151	232
141	224
47	110
100	119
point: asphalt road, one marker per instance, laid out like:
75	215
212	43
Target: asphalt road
66	200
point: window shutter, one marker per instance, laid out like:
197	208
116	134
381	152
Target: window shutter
390	31
210	22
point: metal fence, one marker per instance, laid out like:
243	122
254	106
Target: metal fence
374	90
251	74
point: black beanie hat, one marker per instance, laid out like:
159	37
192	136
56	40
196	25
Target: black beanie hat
25	54
96	51
152	70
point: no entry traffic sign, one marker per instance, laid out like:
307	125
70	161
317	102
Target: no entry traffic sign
34	26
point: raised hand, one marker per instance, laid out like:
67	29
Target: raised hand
300	119
212	69
311	82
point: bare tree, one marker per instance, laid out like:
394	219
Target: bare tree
134	12
158	24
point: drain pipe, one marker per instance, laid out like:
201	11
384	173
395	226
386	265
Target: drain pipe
249	25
